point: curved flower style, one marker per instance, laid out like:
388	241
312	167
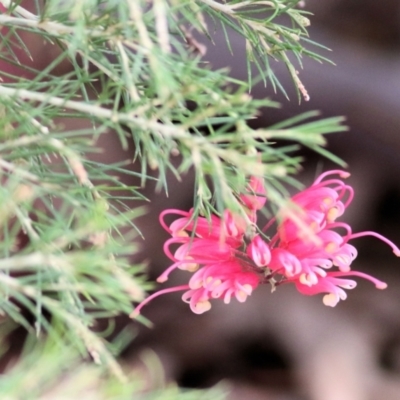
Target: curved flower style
306	250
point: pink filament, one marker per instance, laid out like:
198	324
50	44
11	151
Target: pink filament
166	249
171	211
378	284
344	226
351	195
164	276
342	174
136	311
396	250
268	224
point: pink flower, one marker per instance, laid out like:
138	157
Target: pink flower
215	248
318	206
307	260
310	249
212	248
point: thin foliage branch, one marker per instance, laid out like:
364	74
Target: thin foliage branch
93	343
135	72
96	111
254	20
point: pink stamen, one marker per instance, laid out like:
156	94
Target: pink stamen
268	224
329	182
343	190
342	174
350	190
136	311
344	226
164	276
171	211
166	249
378	284
396	250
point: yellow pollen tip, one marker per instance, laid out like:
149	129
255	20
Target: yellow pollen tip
162	279
330	247
209	279
202	306
332	214
247	288
196	284
304	280
327	201
191	267
330	300
181	233
241	295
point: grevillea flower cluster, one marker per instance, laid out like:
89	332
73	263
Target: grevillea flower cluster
310	248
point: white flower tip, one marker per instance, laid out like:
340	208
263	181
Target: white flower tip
162	279
195	284
344	174
248	289
345	268
241	296
306	280
381	285
330	300
201	307
191	267
397	252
